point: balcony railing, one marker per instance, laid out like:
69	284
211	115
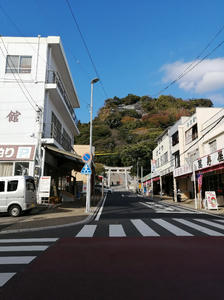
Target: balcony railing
51	131
53	77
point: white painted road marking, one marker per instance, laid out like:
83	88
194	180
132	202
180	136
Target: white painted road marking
4	277
33	240
220	226
219	220
87	231
144	229
116	230
101	209
22	248
172	228
22	259
164	209
11	260
199	228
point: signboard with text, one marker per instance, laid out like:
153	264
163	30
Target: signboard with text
186	169
45	186
17	152
207	161
211	200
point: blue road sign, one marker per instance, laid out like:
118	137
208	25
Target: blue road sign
86	170
86	157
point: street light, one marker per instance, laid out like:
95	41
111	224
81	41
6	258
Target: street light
88	192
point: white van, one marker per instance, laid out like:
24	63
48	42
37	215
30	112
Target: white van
17	193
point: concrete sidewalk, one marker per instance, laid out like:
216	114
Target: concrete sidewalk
190	203
53	216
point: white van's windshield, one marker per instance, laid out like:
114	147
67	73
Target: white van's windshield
30	185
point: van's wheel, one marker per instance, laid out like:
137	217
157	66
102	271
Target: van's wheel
15	211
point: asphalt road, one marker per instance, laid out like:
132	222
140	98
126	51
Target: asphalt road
133	249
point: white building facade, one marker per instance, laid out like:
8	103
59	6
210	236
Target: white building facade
37	102
210	163
190	141
195	146
162	176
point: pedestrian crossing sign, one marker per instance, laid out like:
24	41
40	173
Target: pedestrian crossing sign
86	170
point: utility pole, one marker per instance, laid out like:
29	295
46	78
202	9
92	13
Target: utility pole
141	179
88	192
39	120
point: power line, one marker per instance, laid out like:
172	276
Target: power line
86	47
194	64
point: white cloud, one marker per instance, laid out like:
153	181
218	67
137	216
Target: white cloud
206	77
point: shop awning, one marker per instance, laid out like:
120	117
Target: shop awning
66	160
156	179
211	169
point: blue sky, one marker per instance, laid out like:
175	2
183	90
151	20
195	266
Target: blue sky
138	47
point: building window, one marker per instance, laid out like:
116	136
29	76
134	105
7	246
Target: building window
213	146
175	138
18	64
66	141
177	159
21	168
191	134
55	128
6	169
164	158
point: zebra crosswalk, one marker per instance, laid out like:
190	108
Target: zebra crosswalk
155	227
15	254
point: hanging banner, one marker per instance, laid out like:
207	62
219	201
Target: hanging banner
200	177
211	200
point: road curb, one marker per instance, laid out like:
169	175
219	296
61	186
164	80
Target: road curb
88	219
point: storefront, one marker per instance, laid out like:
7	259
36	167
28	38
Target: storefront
167	184
156	185
59	164
211	168
184	181
17	160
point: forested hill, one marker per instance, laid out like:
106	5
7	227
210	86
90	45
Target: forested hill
126	128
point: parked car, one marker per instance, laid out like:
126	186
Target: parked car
17	194
98	187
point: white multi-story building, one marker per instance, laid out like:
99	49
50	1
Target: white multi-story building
163	163
190	141
210	163
192	145
37	102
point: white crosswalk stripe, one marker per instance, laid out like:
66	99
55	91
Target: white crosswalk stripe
10	260
220	226
172	228
87	231
13	245
32	240
4	277
191	228
22	248
143	228
199	227
116	230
